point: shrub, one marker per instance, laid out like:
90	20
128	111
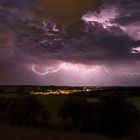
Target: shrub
117	116
113	115
74	109
3	104
26	110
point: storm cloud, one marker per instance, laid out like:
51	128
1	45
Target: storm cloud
104	43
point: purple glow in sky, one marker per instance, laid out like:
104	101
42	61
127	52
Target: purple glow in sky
101	47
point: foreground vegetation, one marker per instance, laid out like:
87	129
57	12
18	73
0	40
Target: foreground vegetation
109	114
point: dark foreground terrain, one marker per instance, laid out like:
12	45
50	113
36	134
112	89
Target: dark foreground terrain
17	122
21	133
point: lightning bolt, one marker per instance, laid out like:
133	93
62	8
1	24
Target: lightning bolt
122	74
81	69
107	70
65	66
48	71
131	74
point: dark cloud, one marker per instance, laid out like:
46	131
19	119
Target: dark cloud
129	12
17	3
106	41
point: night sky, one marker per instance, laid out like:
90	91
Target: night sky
70	42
